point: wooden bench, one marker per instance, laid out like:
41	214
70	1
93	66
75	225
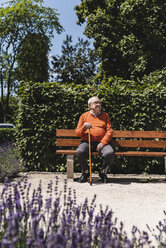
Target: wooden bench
141	142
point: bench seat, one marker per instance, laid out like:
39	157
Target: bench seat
128	153
154	142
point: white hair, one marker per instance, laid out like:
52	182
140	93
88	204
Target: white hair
91	99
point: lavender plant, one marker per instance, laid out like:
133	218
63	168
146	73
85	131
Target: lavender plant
10	164
29	220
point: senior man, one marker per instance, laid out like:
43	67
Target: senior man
101	133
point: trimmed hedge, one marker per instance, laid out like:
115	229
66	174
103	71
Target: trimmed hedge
45	107
12	110
7	135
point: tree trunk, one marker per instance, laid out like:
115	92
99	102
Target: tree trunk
3	103
4	113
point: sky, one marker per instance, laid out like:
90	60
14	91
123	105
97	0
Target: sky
67	19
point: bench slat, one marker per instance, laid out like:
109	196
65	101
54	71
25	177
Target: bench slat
138	154
139	143
128	153
139	134
118	133
65	133
119	143
68	142
71	152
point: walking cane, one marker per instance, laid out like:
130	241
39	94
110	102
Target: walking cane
90	170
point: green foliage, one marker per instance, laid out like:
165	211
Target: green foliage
129	36
77	64
18	19
46	107
12	110
7	135
141	109
32	58
154	78
43	108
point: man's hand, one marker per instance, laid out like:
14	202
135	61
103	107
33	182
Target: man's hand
99	147
87	126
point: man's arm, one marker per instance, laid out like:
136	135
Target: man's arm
109	132
82	126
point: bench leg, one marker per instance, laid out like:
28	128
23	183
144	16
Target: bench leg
165	164
70	166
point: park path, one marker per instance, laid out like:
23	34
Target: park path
135	200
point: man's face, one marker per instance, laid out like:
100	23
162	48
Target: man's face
95	105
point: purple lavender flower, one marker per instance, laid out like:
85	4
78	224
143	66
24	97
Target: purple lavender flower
9	161
29	220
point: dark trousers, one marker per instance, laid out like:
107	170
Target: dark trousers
106	152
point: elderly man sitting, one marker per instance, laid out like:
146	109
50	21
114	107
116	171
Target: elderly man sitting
101	133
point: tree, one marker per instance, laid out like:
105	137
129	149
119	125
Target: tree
129	35
32	58
77	64
17	20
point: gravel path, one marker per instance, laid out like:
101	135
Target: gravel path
135	200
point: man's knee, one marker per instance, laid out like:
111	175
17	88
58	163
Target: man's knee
108	152
81	152
112	153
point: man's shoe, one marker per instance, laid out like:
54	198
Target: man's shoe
103	177
84	178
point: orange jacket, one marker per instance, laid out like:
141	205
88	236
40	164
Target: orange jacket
101	130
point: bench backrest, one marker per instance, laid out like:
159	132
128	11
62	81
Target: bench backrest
142	139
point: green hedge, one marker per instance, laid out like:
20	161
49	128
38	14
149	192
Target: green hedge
45	107
12	110
7	135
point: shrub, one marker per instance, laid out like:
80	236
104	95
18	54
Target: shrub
12	110
10	164
48	106
29	220
7	135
